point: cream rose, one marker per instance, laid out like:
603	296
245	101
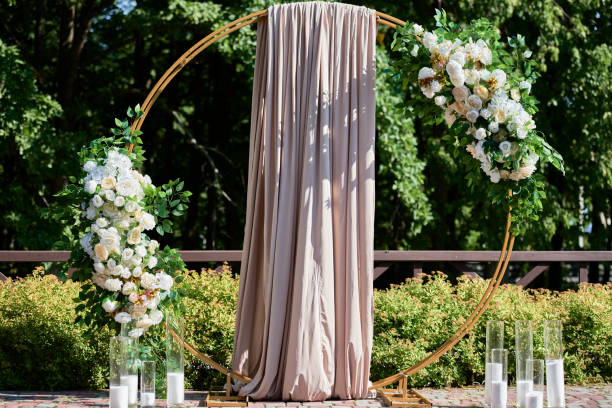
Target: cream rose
134	236
101	252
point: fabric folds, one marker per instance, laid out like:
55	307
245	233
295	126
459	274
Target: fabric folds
304	320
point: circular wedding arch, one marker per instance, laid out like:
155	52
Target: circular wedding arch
504	256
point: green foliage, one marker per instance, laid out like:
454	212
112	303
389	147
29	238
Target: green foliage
40	347
413	319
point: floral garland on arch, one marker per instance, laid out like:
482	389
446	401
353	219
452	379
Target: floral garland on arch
127	276
483	93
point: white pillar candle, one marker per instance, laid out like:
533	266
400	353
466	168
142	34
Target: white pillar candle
147	399
499	394
523	387
534	399
555	386
131	381
175	392
118	396
493	372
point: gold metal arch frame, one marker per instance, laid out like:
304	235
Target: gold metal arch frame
400	395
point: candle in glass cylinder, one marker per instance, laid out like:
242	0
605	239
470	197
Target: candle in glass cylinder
131	382
147	383
175	393
534	399
494	340
118	396
147	399
499	394
499	378
555	386
523	337
553	349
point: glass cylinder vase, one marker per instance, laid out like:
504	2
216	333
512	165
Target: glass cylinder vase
494	340
553	349
523	339
535	370
118	361
130	377
175	360
499	378
147	383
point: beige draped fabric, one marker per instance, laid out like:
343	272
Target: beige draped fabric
304	322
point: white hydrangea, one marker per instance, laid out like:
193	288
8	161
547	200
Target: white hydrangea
430	40
417	29
164	281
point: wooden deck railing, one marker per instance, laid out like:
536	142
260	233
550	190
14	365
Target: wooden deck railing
539	260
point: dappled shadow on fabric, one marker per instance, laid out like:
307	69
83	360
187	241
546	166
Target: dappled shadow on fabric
304	321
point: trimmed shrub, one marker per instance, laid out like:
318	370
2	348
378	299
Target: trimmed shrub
41	348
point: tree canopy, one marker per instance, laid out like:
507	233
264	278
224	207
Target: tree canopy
68	67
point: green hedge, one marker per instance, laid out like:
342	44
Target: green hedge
41	348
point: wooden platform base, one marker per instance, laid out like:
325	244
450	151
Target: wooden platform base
407	398
225	401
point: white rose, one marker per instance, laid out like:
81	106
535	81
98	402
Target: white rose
430	40
458	80
435	86
152	303
458	57
119	201
494	176
426	72
109	195
136	260
148	281
141	250
164	281
90	214
461	93
110	305
472	115
415	50
91	186
485	113
99	279
131	206
102	222
137	272
480	134
527	54
500	78
485	56
125	273
99	267
453	68
118	270
153	245
137	310
156	316
440	100
493	127
101	252
123	318
505	147
108	183
521	133
111	264
445	49
133	297
475	102
417	29
471	76
97	201
128	287
147	180
111	239
127	186
113	285
152	263
133	236
89	166
147	221
515	94
127	254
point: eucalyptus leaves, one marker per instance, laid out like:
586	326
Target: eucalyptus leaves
133	279
483	92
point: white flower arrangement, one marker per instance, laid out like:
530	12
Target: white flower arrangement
483	93
133	276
